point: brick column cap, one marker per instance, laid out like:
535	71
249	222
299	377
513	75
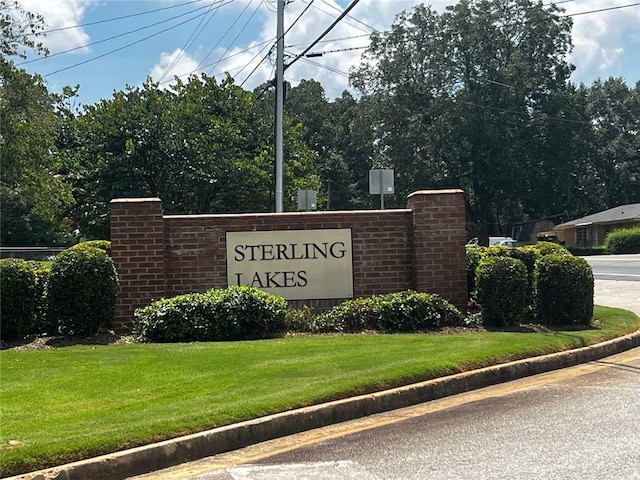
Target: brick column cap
135	200
450	191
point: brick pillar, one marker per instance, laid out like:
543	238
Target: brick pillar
137	248
439	235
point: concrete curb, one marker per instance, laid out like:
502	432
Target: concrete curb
136	461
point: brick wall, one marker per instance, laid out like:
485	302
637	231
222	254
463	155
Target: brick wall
421	247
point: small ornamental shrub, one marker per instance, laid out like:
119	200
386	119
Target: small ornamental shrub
502	290
81	291
546	248
17	298
104	245
565	290
624	240
233	313
406	311
474	255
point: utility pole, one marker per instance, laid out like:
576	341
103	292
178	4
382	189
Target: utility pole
279	104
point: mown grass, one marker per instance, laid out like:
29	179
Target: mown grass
70	403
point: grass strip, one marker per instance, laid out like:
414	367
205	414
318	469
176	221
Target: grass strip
65	404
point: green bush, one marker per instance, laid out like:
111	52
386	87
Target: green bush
233	313
583	251
528	255
407	311
547	248
104	245
474	255
41	323
17	298
502	290
624	240
565	290
81	291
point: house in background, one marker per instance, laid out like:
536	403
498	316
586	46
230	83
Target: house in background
593	229
527	231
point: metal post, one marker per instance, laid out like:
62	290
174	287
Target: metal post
279	104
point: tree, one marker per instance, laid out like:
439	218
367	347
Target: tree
201	146
33	194
454	93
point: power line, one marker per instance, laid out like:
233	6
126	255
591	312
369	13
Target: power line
323	34
130	44
240	32
123	17
124	34
192	38
618	7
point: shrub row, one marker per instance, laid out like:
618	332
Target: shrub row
537	283
237	313
624	240
74	296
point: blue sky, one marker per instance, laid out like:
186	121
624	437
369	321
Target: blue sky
214	36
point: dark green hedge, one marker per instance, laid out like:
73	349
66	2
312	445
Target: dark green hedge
406	311
233	313
18	291
624	240
502	290
565	290
81	291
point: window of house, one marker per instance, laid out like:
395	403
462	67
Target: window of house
581	235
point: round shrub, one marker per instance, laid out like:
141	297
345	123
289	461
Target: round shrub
565	290
407	311
233	313
81	291
547	248
104	245
502	290
474	255
624	240
529	256
18	298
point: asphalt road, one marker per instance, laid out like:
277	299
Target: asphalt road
615	267
576	423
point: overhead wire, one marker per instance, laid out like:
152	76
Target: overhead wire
120	35
84	62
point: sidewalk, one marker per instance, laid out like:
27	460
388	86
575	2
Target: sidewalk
618	293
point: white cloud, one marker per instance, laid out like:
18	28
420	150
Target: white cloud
602	39
62	14
177	63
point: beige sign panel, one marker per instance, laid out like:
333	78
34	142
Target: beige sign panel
295	264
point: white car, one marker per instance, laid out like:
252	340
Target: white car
499	241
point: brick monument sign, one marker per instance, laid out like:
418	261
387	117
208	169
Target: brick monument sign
314	258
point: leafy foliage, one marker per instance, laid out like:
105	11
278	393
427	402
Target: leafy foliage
233	313
547	248
565	290
104	245
81	291
475	254
624	240
407	311
501	284
18	291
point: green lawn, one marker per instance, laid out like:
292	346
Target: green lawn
70	403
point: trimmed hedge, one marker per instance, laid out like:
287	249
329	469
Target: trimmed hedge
502	290
547	248
18	291
104	245
234	313
565	290
624	240
406	311
81	291
475	254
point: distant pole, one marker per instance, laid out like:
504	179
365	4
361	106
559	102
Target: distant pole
279	103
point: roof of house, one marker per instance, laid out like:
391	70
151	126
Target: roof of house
623	213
